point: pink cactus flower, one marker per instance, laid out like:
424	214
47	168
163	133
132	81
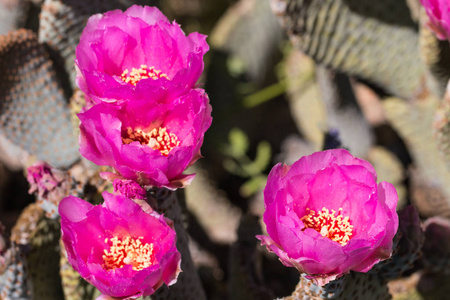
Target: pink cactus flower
43	178
3	249
50	184
117	247
326	215
129	189
2	241
438	12
123	55
150	142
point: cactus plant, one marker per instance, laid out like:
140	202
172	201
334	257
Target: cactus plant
392	48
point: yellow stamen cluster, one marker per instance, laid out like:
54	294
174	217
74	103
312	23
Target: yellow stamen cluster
128	251
335	227
157	139
143	72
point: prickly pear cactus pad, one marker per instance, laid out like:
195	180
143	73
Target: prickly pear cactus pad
34	112
357	37
38	237
14	283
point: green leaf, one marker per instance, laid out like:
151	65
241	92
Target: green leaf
262	159
234	168
238	143
252	186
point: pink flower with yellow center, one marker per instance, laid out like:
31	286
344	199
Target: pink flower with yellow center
125	55
117	247
326	215
151	142
438	12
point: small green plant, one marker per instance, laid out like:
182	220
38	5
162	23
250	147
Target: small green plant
238	163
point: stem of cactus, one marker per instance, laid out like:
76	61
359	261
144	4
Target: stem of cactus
355	285
39	238
188	285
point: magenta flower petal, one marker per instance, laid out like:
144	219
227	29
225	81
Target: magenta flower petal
319	160
141	38
120	249
438	12
325	215
126	137
149	15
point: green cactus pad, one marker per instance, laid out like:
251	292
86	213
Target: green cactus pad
188	284
33	111
40	237
13	279
374	40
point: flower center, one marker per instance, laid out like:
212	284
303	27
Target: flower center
335	227
128	251
143	72
157	139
